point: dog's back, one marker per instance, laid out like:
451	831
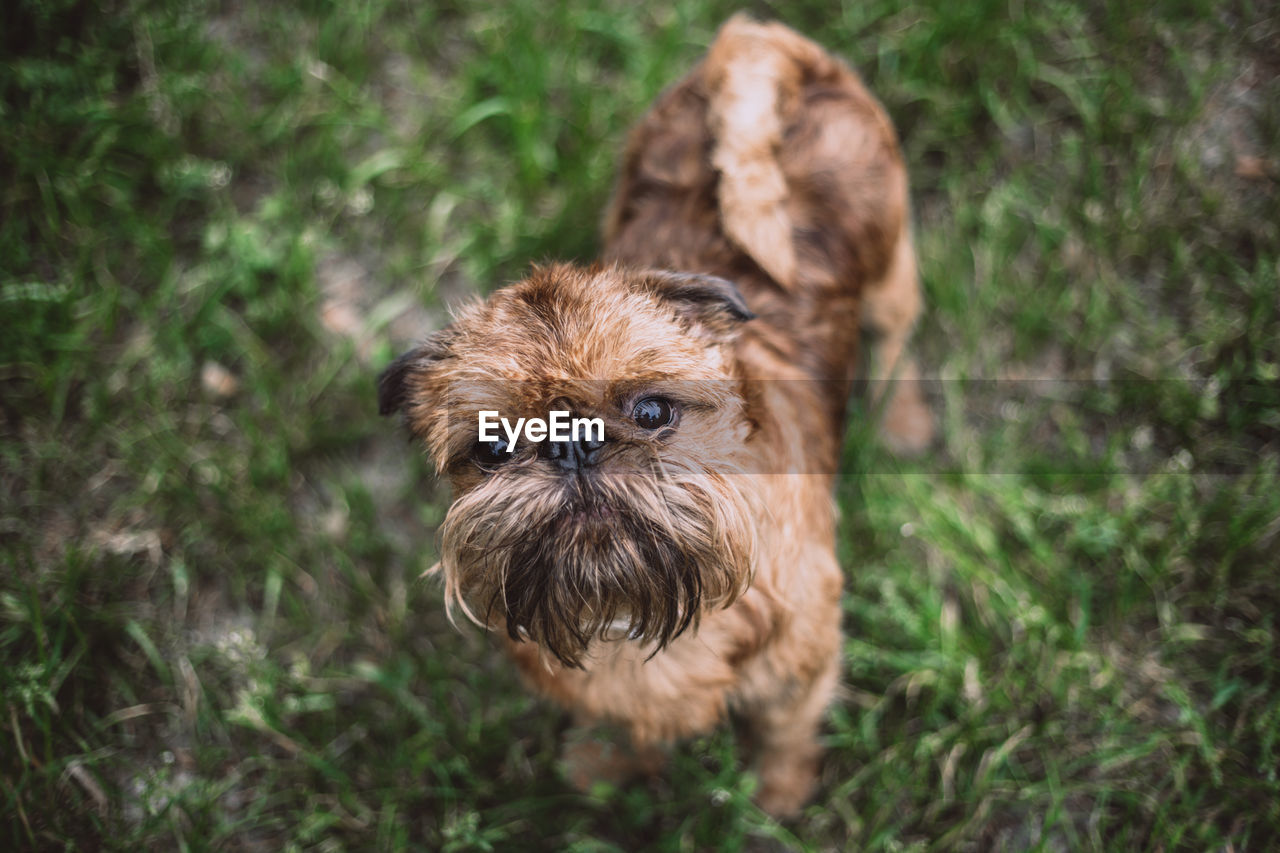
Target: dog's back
772	165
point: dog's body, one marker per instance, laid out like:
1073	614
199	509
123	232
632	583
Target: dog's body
677	571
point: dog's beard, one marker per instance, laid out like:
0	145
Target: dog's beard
567	560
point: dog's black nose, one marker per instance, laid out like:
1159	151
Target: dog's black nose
572	455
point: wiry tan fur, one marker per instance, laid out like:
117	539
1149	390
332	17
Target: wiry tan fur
690	570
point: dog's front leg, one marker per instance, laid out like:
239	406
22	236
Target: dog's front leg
786	738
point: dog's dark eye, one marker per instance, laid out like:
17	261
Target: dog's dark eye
653	413
491	452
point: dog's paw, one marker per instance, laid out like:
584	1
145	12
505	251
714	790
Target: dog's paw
589	760
786	785
907	427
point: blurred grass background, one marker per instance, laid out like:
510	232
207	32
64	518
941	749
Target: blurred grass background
220	220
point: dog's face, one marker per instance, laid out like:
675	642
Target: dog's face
568	542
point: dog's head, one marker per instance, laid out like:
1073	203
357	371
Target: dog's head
634	532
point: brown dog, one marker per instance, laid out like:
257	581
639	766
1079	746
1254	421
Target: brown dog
682	563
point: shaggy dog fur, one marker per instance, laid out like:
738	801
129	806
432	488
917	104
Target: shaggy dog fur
685	565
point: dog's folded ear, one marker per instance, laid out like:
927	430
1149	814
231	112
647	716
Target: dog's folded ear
393	383
713	301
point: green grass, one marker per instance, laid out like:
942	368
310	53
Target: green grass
1062	624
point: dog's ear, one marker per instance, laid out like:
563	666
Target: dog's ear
713	301
393	383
